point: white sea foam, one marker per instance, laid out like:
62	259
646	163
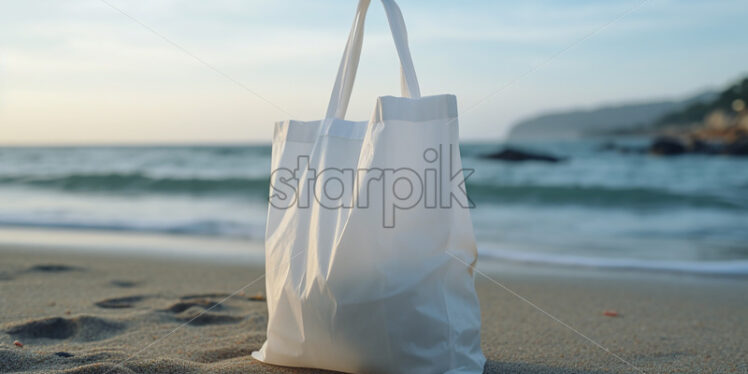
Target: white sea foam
731	267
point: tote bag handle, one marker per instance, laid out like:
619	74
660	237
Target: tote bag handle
341	92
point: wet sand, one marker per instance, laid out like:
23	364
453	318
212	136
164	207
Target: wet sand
92	313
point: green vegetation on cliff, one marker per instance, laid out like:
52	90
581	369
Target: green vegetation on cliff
697	112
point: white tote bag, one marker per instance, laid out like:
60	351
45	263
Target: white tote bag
369	234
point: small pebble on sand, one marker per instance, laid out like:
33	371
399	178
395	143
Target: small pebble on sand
610	313
258	297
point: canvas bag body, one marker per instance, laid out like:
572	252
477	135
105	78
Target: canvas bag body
372	279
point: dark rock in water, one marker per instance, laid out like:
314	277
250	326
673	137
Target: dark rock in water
738	147
667	146
673	146
64	354
516	155
703	147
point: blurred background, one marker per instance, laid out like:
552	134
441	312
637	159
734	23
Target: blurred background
610	134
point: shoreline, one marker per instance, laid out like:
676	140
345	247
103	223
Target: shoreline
103	308
251	252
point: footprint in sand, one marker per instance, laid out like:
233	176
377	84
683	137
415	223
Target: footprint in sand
124	283
207	304
40	268
83	328
201	310
120	302
54	268
209	318
205	296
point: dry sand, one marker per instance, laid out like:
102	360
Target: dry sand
84	313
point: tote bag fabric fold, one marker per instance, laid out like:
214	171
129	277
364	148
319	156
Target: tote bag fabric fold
369	233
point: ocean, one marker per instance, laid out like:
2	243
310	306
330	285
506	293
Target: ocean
598	208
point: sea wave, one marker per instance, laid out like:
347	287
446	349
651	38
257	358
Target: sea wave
217	228
597	196
133	183
479	192
725	267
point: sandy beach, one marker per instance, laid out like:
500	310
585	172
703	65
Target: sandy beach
586	162
77	312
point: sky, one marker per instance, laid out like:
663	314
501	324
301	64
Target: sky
80	72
